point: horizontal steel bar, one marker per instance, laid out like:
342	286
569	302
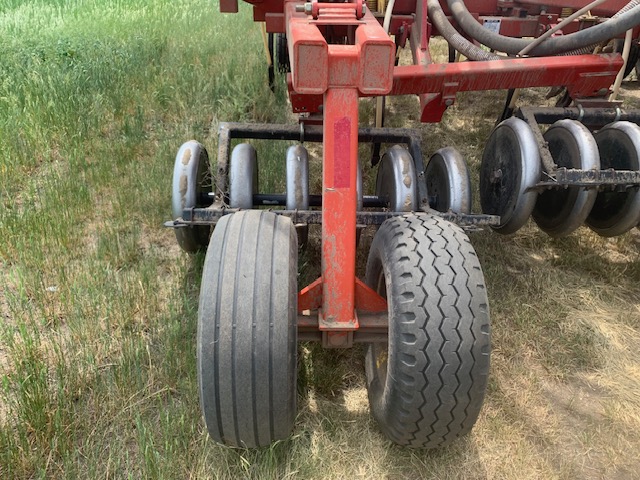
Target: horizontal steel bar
279	199
590	116
585	74
210	216
373	328
313	133
591	178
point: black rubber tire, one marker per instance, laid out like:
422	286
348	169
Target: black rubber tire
426	385
247	330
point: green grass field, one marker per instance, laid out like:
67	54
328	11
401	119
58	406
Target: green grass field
98	305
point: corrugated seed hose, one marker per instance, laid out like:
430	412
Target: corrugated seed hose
627	18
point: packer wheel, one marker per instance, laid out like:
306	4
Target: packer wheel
617	211
298	186
243	176
247	330
510	166
427	384
448	182
397	180
191	182
560	211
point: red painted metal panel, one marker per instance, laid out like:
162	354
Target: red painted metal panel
342	166
585	75
368	299
308	53
376	58
339	209
229	6
310	297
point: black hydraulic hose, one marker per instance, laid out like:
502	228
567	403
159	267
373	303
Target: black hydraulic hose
590	48
452	36
552	46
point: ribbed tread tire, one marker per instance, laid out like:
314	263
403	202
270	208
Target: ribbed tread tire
427	385
247	330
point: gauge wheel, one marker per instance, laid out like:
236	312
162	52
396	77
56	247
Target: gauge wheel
247	332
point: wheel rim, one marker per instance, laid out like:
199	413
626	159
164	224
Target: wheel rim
560	211
616	212
510	167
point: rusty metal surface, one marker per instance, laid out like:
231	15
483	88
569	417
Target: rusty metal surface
211	215
590	116
565	177
373	328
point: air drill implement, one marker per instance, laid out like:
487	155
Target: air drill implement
422	307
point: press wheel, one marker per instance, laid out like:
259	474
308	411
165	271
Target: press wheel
617	211
243	176
560	211
448	182
191	182
510	167
298	186
397	180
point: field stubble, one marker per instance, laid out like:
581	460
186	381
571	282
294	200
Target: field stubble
98	304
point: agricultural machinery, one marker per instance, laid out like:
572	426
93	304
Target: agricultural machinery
422	307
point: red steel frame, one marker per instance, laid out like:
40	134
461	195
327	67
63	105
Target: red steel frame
330	78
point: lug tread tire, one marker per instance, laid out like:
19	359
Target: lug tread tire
247	330
439	335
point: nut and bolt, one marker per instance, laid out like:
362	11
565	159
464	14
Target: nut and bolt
306	8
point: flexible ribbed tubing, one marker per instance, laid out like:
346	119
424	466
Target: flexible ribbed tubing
611	28
457	41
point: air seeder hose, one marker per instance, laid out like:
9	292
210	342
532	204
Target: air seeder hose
616	25
457	41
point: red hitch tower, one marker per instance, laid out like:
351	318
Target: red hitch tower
341	74
423	308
